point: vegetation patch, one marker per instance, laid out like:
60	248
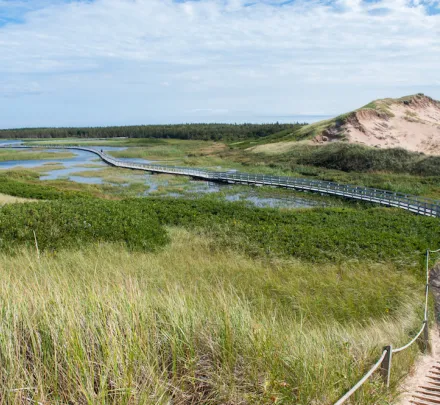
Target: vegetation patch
63	224
318	234
193	325
12	154
113	174
8	199
25	184
358	158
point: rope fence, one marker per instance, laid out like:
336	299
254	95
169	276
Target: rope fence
385	360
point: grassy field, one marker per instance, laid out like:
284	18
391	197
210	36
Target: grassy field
192	325
162	300
122	142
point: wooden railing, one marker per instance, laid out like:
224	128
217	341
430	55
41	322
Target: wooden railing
419	205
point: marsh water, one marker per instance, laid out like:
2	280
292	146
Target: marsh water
171	186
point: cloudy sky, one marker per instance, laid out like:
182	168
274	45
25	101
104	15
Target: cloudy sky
106	62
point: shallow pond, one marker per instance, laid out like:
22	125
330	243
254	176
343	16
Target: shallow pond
170	186
10	141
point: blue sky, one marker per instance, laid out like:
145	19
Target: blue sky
121	62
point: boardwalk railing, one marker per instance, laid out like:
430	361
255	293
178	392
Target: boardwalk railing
419	205
384	362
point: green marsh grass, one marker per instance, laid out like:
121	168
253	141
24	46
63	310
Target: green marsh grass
38	154
113	174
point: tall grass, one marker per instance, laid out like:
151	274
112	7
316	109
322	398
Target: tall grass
192	325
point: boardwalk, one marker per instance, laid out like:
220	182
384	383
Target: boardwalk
419	205
423	386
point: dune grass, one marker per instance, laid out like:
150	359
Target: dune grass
9	199
193	325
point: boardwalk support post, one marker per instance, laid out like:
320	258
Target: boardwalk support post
385	368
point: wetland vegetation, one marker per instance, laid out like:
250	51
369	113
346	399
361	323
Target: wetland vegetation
119	299
9	154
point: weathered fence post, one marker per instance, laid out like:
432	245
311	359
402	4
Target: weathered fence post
426	343
385	368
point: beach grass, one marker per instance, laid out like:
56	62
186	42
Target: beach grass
192	325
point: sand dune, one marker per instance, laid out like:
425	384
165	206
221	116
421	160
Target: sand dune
412	123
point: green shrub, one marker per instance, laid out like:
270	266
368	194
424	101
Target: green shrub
317	235
65	224
358	158
321	234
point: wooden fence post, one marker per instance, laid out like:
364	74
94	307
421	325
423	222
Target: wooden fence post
426	342
385	368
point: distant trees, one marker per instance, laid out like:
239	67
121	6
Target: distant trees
214	132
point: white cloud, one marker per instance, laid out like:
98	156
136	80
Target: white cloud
264	58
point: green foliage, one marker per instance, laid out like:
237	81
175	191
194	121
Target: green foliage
319	235
65	224
182	131
203	306
358	158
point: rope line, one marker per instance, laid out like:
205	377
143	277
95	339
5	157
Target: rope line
362	380
400	349
343	399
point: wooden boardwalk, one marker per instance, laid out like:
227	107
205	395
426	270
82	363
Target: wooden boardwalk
423	386
418	205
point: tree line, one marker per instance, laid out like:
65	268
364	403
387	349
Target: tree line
214	132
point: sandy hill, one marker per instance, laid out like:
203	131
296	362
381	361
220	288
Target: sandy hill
412	123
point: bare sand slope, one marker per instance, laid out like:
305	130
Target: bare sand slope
413	125
411	122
